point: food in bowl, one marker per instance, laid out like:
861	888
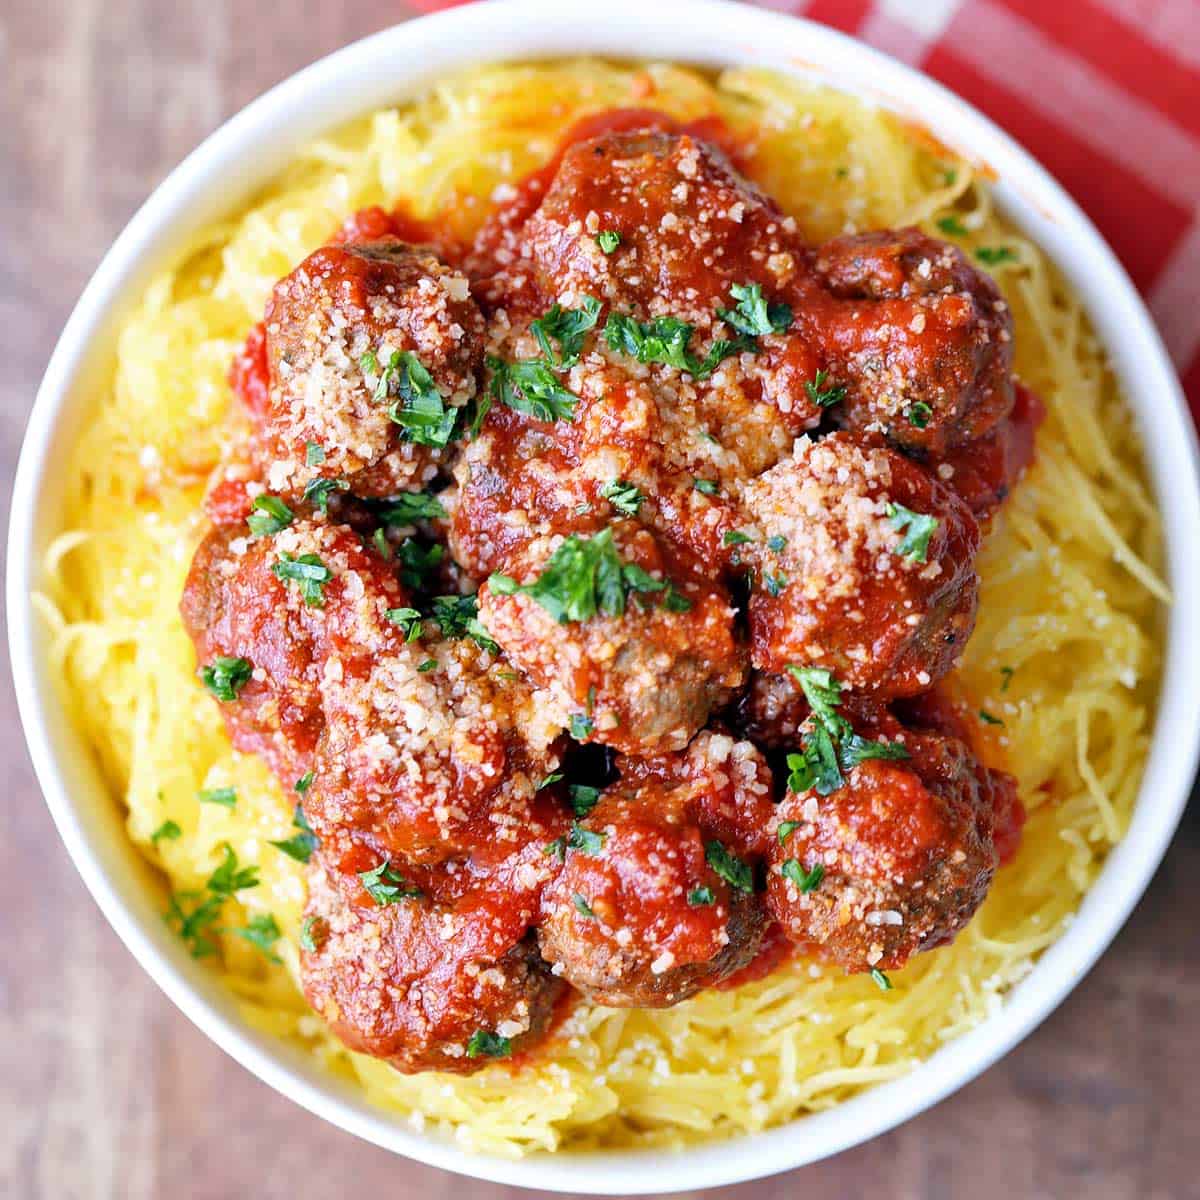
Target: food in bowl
583	556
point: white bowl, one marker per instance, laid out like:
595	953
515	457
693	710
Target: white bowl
396	64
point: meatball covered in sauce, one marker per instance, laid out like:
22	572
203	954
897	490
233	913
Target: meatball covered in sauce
651	904
894	861
372	349
865	566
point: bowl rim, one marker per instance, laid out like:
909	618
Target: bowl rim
397	62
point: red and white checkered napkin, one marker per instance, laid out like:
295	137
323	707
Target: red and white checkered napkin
1105	93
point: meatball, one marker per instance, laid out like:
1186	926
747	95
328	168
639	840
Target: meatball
236	607
865	566
922	339
428	984
893	862
372	348
627	646
656	896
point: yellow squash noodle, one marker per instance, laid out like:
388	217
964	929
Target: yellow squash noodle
1066	654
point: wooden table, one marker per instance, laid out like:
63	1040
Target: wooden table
105	1090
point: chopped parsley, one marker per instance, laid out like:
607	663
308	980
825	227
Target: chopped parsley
582	906
995	254
608	240
379	539
553	777
194	914
665	340
530	386
582	727
304	782
774	584
707	486
308	572
458	617
269	516
318	491
225	677
753	315
918	414
1007	673
229	878
314	454
169	830
310	934
583	798
430	664
701	897
728	867
385	885
557	848
587	841
262	933
917	528
418	408
586	576
735	537
882	982
821	395
568	327
624	497
409	507
226	797
806	881
830	746
300	845
409	620
484	1044
777	543
952	226
785	830
988	718
418	562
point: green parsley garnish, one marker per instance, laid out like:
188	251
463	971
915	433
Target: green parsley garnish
920	528
418	563
729	868
582	727
318	491
918	414
774	584
262	932
988	718
806	881
430	664
553	777
830	746
418	408
409	620
753	316
484	1044
307	571
567	326
624	497
530	386
665	340
952	226
608	240
300	845
777	543
583	798
168	830
701	897
882	982
195	922
557	848
269	517
585	576
949	177
310	932
582	906
410	507
706	486
458	616
229	878
225	677
379	539
735	537
226	797
304	782
587	841
785	830
1007	673
386	886
821	395
995	254
314	454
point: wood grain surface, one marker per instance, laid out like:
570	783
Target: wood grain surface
105	1090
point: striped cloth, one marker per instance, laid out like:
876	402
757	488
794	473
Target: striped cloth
1105	93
